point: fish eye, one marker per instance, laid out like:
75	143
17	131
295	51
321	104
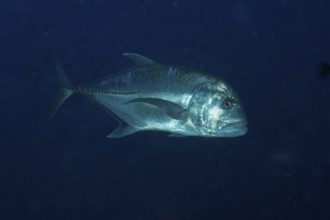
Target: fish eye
227	103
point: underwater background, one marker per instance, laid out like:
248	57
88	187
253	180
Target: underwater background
275	54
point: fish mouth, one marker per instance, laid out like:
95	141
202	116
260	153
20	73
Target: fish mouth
235	129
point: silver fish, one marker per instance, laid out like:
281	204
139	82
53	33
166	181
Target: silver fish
150	96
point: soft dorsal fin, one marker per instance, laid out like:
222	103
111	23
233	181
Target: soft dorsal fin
139	59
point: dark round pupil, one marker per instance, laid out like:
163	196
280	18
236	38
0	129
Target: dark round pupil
227	103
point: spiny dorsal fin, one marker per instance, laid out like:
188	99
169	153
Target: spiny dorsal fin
139	59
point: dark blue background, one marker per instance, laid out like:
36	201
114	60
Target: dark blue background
268	50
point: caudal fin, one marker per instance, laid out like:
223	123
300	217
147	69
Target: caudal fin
65	91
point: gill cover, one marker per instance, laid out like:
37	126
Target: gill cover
206	110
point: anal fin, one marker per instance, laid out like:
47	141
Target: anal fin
122	131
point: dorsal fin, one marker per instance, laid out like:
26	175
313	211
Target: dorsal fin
139	59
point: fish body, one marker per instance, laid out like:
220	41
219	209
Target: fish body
150	96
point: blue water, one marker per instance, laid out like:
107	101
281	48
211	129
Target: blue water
269	51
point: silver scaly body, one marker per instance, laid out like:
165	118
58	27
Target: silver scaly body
150	96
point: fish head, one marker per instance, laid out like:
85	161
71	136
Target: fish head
217	112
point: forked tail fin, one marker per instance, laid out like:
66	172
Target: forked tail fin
65	91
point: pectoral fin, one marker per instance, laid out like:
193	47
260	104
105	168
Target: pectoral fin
172	109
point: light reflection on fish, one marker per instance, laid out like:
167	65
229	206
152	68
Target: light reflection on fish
154	97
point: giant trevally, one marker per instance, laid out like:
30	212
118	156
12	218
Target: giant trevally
154	97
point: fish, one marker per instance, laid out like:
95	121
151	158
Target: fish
154	97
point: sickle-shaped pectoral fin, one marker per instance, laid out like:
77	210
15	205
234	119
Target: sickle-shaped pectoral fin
172	109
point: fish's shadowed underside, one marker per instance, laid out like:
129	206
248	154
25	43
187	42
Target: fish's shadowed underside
154	97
